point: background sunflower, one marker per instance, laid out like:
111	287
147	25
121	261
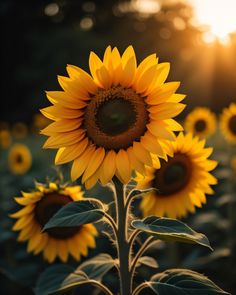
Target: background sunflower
228	123
201	122
19	159
39	206
181	182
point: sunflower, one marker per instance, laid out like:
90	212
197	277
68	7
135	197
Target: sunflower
19	130
109	123
181	182
19	159
5	139
228	123
39	207
201	122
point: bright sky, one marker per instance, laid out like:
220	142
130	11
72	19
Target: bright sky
218	15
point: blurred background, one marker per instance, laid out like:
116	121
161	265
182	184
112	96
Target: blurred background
39	38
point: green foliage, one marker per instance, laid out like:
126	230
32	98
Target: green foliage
148	261
76	214
59	278
183	282
168	229
98	266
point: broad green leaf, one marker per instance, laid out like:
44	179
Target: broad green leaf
183	282
149	261
58	278
168	229
76	214
98	266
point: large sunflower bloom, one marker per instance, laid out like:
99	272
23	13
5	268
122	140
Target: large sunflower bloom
39	207
181	182
19	159
109	123
228	123
201	122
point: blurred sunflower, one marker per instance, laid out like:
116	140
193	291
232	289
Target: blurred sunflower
228	123
19	159
39	207
181	182
201	122
5	139
40	121
110	123
19	130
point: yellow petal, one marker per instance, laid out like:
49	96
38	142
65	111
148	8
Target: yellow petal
166	111
63	252
71	152
142	154
83	78
149	61
158	129
56	112
94	163
108	167
64	139
26	210
123	165
23	222
65	99
162	93
80	163
64	125
152	145
135	163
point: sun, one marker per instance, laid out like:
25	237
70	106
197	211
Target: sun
218	16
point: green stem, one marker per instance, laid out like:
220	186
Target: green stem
143	248
122	238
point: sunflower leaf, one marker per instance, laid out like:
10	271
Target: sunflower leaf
148	261
59	278
75	214
183	282
96	267
168	229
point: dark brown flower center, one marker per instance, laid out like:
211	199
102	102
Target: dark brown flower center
19	159
232	124
174	175
115	118
47	207
200	125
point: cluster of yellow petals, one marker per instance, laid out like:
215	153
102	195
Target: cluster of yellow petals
30	230
68	135
193	194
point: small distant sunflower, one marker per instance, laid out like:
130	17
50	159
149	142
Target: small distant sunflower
19	130
5	139
40	121
201	122
39	207
228	123
181	182
19	159
109	123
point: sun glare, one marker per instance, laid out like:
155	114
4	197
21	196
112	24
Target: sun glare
218	16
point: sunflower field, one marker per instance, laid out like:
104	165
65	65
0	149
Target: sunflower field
118	147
